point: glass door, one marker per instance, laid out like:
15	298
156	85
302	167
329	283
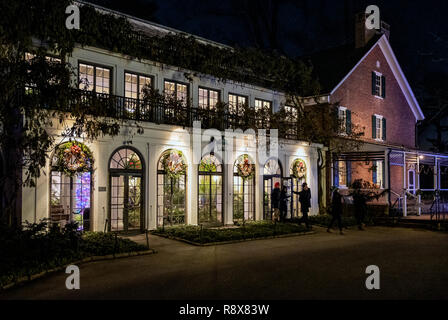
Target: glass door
126	202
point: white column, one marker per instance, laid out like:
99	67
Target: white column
228	194
418	185
193	194
154	153
405	187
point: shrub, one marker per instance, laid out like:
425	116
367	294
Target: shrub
249	230
38	247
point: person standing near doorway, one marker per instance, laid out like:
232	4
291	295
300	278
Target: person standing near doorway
305	204
275	202
284	203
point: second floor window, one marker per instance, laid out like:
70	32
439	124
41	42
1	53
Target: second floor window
208	98
378	85
237	103
134	84
378	127
177	90
94	78
345	120
263	104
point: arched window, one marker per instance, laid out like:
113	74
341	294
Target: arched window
71	184
244	189
298	177
171	188
271	175
210	191
126	172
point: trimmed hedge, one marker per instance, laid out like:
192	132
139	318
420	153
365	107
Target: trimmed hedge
251	230
36	248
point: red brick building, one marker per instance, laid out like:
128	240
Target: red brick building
374	97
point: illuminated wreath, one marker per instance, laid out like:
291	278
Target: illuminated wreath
298	169
245	168
173	164
73	157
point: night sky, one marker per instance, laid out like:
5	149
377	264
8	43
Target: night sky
419	31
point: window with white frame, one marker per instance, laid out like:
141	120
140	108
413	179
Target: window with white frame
262	104
378	127
208	98
134	85
237	103
378	173
177	90
94	78
378	84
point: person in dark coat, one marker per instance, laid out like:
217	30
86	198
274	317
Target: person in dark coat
336	211
284	203
275	202
305	204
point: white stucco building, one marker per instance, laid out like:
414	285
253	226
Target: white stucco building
127	186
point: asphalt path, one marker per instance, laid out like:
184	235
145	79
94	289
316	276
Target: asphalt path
413	264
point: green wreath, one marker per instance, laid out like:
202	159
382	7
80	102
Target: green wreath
298	169
245	169
73	157
173	164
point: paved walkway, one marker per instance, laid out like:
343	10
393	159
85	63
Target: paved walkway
413	264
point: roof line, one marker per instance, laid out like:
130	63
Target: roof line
398	73
151	24
353	69
402	81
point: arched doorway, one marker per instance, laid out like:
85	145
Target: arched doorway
71	185
298	177
126	174
171	188
243	189
210	191
272	173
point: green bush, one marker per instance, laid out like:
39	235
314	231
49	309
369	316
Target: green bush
38	247
249	230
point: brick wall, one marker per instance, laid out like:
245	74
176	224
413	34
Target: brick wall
356	95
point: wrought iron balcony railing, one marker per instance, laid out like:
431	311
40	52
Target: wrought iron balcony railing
161	112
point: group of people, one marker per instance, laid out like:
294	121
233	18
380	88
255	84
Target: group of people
280	198
279	203
359	202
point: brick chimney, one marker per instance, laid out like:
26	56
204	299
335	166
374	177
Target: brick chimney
364	35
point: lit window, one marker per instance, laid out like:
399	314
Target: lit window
134	85
378	174
342	172
208	98
176	90
93	78
262	104
237	103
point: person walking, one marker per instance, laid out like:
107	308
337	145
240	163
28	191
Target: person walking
305	204
275	202
336	211
284	203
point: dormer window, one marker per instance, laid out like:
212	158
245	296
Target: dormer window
378	85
